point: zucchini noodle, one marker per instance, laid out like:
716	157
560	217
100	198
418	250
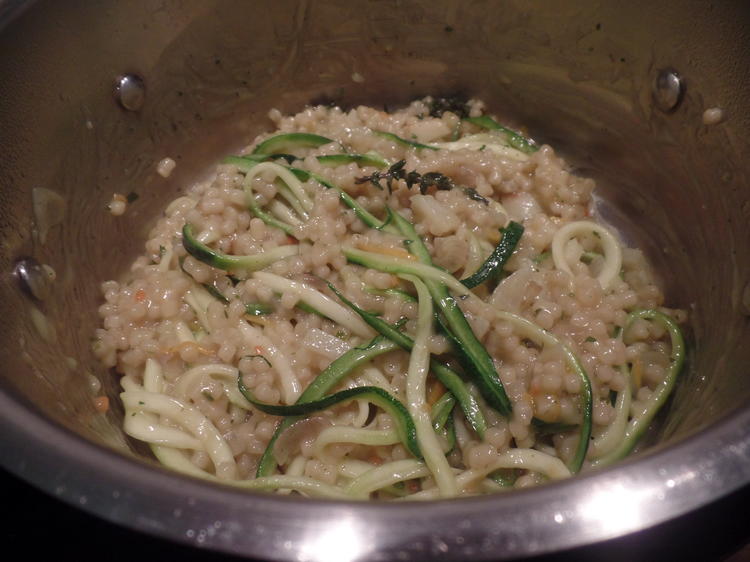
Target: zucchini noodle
486	142
399	332
610	246
294	185
526	459
290	385
386	475
189	418
284	213
419	362
227	374
639	423
358	436
610	438
320	302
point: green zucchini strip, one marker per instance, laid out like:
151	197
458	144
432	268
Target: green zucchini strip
515	140
416	396
441	410
362	160
639	424
403	141
542	427
258	308
476	356
363	214
270	220
399	293
247	164
450	379
404	266
215	293
442	420
304	484
500	255
290	141
611	437
400	415
216	259
244	163
284	174
542	337
326	380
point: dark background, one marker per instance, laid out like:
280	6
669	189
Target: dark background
48	529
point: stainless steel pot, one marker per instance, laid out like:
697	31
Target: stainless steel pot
620	89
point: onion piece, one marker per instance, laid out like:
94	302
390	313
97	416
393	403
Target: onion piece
324	343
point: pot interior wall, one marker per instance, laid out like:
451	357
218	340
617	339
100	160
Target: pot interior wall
577	76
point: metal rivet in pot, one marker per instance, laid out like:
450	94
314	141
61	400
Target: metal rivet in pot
130	91
667	89
36	279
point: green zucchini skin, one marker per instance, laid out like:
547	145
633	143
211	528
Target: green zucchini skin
515	140
404	142
219	260
475	357
450	379
398	412
258	309
361	160
500	255
290	141
326	380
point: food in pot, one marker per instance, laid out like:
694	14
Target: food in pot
366	304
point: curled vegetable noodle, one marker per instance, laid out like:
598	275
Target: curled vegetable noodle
357	306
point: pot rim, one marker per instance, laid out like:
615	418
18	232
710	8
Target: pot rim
638	493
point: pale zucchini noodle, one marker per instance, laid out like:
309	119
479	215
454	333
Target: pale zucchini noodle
320	302
189	418
416	395
290	385
226	374
284	213
608	440
294	185
386	475
354	435
610	247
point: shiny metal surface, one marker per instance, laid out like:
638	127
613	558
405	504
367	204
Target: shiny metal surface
33	278
668	89
578	75
130	91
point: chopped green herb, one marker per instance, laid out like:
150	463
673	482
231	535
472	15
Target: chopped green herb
207	395
590	339
472	194
258	357
257	309
456	104
397	172
131	197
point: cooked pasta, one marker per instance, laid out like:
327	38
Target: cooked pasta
410	305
